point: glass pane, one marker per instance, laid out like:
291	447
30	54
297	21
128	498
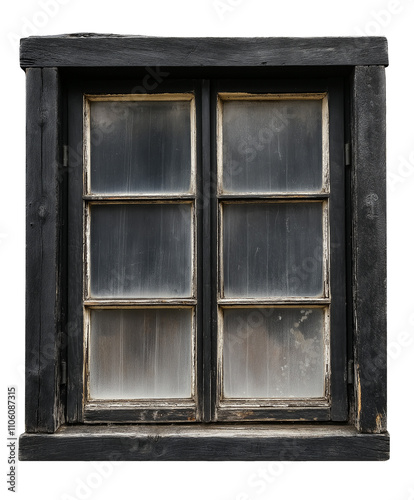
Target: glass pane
273	353
272	249
141	251
140	147
140	353
272	146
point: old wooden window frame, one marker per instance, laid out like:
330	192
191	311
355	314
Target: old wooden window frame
54	66
333	407
207	404
79	407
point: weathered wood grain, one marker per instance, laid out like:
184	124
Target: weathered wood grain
205	289
339	402
75	347
46	59
369	247
271	414
125	415
43	297
93	50
202	442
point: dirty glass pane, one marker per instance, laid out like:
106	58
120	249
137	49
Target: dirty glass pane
272	146
272	249
273	353
140	147
141	251
140	353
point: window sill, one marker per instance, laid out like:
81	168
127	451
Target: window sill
205	442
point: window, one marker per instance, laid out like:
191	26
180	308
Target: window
277	254
213	247
140	270
273	255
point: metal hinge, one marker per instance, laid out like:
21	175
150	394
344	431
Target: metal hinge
347	154
350	374
63	373
65	156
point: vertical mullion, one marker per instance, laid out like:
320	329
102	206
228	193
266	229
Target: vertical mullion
206	291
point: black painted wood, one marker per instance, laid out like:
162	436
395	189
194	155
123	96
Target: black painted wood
201	395
339	403
214	249
269	414
348	231
94	50
206	249
46	243
139	415
202	442
43	269
369	247
75	258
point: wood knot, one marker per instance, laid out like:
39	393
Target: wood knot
371	202
42	211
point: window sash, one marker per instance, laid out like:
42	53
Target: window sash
333	406
207	385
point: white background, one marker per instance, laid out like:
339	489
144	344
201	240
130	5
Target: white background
392	480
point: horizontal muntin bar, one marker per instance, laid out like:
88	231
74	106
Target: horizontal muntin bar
117	303
270	403
270	196
263	200
158	198
166	96
269	96
277	302
152	404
